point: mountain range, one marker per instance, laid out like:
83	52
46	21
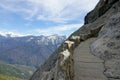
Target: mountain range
28	50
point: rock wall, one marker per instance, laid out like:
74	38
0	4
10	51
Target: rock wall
107	47
104	24
102	7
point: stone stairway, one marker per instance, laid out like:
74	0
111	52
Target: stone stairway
86	65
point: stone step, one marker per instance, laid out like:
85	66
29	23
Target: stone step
86	65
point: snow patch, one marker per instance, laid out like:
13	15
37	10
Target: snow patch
30	39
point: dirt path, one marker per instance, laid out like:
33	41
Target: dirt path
86	65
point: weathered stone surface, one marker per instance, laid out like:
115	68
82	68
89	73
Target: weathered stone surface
59	66
86	65
99	10
107	47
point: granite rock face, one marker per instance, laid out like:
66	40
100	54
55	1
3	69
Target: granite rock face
107	46
103	23
102	7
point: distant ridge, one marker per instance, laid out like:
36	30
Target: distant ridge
28	50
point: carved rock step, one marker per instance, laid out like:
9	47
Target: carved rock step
86	65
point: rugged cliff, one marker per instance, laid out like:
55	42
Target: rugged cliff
90	53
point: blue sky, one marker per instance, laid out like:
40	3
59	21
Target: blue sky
43	17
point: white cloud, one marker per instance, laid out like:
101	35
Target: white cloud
62	29
49	10
10	33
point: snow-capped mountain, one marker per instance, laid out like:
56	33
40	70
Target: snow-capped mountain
28	50
53	39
